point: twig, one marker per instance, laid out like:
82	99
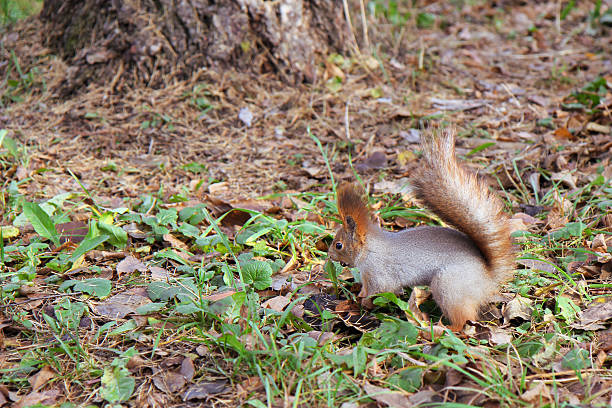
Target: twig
347	15
364	23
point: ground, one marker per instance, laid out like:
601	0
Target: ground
150	308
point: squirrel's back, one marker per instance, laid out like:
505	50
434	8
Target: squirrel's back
464	201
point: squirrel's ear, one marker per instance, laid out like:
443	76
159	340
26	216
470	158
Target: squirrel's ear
353	211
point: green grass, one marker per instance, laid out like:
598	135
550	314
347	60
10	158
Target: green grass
13	10
271	350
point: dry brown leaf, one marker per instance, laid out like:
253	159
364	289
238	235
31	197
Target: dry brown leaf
187	369
565	177
74	231
218	296
175	242
161	274
517	308
135	362
47	397
41	378
417	298
600	242
556	220
376	160
526	218
277	303
604	340
129	265
387	397
563	133
122	304
595	315
538	392
169	382
499	336
205	390
537	265
323	337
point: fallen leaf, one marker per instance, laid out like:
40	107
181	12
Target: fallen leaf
564	133
218	296
175	242
537	265
277	303
74	231
47	397
526	218
187	369
161	274
134	231
376	160
401	186
129	265
385	396
517	308
169	382
205	389
417	298
405	157
41	378
604	340
202	350
599	242
538	392
565	177
499	336
411	136
322	337
121	305
423	398
540	100
593	317
8	231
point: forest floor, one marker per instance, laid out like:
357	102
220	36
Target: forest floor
168	247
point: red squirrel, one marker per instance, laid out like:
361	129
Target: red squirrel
463	267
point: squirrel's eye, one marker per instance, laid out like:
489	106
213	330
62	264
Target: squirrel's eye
338	245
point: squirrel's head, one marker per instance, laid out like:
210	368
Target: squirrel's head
350	237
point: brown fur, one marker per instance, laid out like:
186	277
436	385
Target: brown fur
351	204
463	269
464	201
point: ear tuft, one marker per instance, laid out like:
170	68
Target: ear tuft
353	210
350	224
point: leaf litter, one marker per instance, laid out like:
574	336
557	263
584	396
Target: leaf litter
531	98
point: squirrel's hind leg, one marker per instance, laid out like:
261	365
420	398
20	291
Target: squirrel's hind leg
460	299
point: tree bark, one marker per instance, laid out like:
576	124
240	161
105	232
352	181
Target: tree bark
153	41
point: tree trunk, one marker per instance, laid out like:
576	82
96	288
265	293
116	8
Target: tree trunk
153	41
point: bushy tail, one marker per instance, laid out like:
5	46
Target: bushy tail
464	201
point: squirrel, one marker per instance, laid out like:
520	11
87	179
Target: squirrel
463	267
